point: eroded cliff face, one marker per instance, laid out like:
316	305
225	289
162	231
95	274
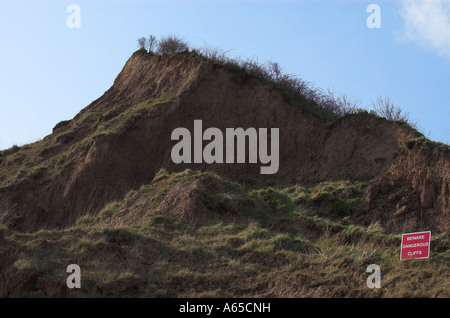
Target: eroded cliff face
118	206
413	193
111	146
122	139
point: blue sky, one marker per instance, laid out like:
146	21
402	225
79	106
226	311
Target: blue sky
49	72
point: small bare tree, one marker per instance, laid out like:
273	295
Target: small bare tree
275	71
383	107
151	43
142	42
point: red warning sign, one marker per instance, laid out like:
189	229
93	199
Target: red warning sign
415	245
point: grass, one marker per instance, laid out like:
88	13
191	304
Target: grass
108	211
425	141
278	250
122	121
338	197
404	124
223	260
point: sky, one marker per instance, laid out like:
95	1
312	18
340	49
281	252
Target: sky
55	60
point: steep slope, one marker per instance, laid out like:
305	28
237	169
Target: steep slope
414	193
123	138
107	148
102	191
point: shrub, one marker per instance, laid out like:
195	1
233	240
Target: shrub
293	89
383	107
324	105
216	55
171	44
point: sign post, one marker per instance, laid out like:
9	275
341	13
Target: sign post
415	245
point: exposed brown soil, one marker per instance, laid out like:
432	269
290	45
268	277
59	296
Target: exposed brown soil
120	141
413	194
355	147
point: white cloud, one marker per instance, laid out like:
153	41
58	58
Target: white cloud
427	22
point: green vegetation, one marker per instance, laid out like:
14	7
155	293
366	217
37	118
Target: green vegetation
406	125
275	199
61	124
108	211
122	121
275	248
340	197
424	141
